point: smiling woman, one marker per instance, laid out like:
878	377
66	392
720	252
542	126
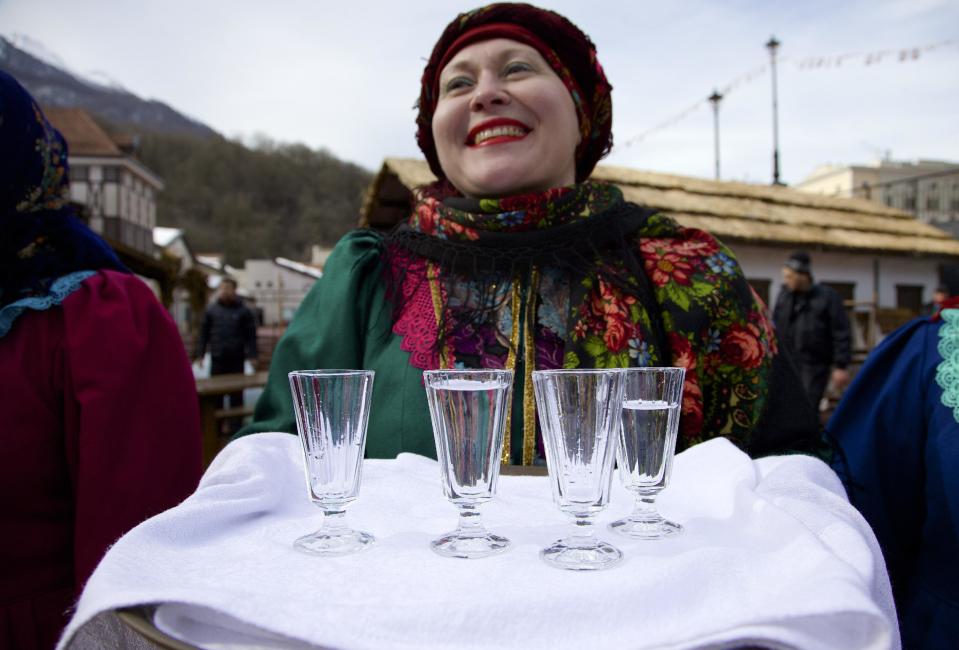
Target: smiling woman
504	122
514	258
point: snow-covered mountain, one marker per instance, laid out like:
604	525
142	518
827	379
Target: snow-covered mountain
51	81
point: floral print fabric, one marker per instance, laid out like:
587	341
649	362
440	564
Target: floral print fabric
716	327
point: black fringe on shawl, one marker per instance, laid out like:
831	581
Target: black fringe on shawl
585	248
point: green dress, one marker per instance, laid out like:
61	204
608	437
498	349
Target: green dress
346	322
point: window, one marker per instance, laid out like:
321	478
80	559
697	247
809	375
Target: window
79	173
887	198
846	290
111	228
258	284
909	296
932	202
909	203
110	174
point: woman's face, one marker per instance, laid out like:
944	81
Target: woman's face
504	123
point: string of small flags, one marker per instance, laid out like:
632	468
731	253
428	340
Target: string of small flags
806	63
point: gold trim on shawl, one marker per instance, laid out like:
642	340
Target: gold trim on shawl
529	365
436	293
511	364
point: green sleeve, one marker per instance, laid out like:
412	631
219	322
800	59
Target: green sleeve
328	330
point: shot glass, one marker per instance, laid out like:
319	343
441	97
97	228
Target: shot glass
580	413
468	410
651	406
332	408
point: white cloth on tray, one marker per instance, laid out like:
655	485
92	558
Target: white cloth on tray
772	555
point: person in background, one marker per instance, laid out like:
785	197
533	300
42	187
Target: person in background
939	297
101	426
229	331
812	323
898	428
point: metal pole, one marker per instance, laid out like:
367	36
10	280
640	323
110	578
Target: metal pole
714	99
772	46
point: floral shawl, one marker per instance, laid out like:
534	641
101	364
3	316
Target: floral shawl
685	303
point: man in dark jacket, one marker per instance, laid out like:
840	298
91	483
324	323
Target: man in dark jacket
811	321
229	329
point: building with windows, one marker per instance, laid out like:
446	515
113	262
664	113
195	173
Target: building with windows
928	189
118	191
279	286
116	194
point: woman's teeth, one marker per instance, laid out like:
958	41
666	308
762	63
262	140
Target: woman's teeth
499	131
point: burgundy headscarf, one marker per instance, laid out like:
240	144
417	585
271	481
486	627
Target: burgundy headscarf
568	51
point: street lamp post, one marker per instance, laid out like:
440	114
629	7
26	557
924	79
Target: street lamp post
772	46
714	99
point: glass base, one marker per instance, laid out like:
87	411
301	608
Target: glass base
567	554
470	547
342	543
654	528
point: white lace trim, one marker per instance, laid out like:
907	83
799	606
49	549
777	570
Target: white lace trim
947	372
59	290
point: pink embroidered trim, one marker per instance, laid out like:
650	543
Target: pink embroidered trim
417	323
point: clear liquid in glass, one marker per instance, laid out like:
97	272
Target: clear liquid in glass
468	410
647	444
470	428
649	429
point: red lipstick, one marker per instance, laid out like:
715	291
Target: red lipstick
497	122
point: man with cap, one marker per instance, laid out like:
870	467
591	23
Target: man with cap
811	321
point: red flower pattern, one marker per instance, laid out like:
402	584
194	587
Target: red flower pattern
695	243
666	267
741	346
609	304
683	354
691	413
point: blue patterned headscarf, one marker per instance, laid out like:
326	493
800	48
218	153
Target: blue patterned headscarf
41	239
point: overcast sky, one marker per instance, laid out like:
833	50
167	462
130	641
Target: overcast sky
344	75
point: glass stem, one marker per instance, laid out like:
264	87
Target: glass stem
583	531
645	507
334	522
470	523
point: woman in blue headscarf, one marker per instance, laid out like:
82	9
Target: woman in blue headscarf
100	423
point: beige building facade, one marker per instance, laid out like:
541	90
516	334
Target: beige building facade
928	189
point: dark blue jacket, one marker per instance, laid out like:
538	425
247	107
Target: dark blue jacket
902	472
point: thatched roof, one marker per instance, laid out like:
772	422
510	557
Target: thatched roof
734	212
